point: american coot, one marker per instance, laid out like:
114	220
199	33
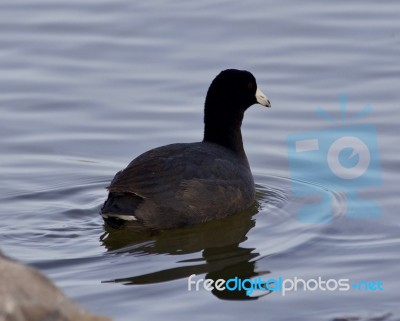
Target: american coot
189	183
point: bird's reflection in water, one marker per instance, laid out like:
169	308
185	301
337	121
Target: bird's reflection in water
218	241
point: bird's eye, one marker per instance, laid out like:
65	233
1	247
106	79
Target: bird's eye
250	85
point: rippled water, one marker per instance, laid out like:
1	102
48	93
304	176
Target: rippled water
87	86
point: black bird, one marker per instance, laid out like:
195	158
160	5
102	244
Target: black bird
189	183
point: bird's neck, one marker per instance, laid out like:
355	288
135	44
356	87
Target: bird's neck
224	128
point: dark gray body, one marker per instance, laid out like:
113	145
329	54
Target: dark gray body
181	184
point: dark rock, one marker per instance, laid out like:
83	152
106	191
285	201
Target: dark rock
27	295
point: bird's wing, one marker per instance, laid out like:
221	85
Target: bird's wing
154	172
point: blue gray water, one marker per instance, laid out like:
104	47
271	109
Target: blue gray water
85	86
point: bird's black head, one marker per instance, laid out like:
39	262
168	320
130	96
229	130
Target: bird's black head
234	90
229	95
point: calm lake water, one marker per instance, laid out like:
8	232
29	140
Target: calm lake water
86	86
